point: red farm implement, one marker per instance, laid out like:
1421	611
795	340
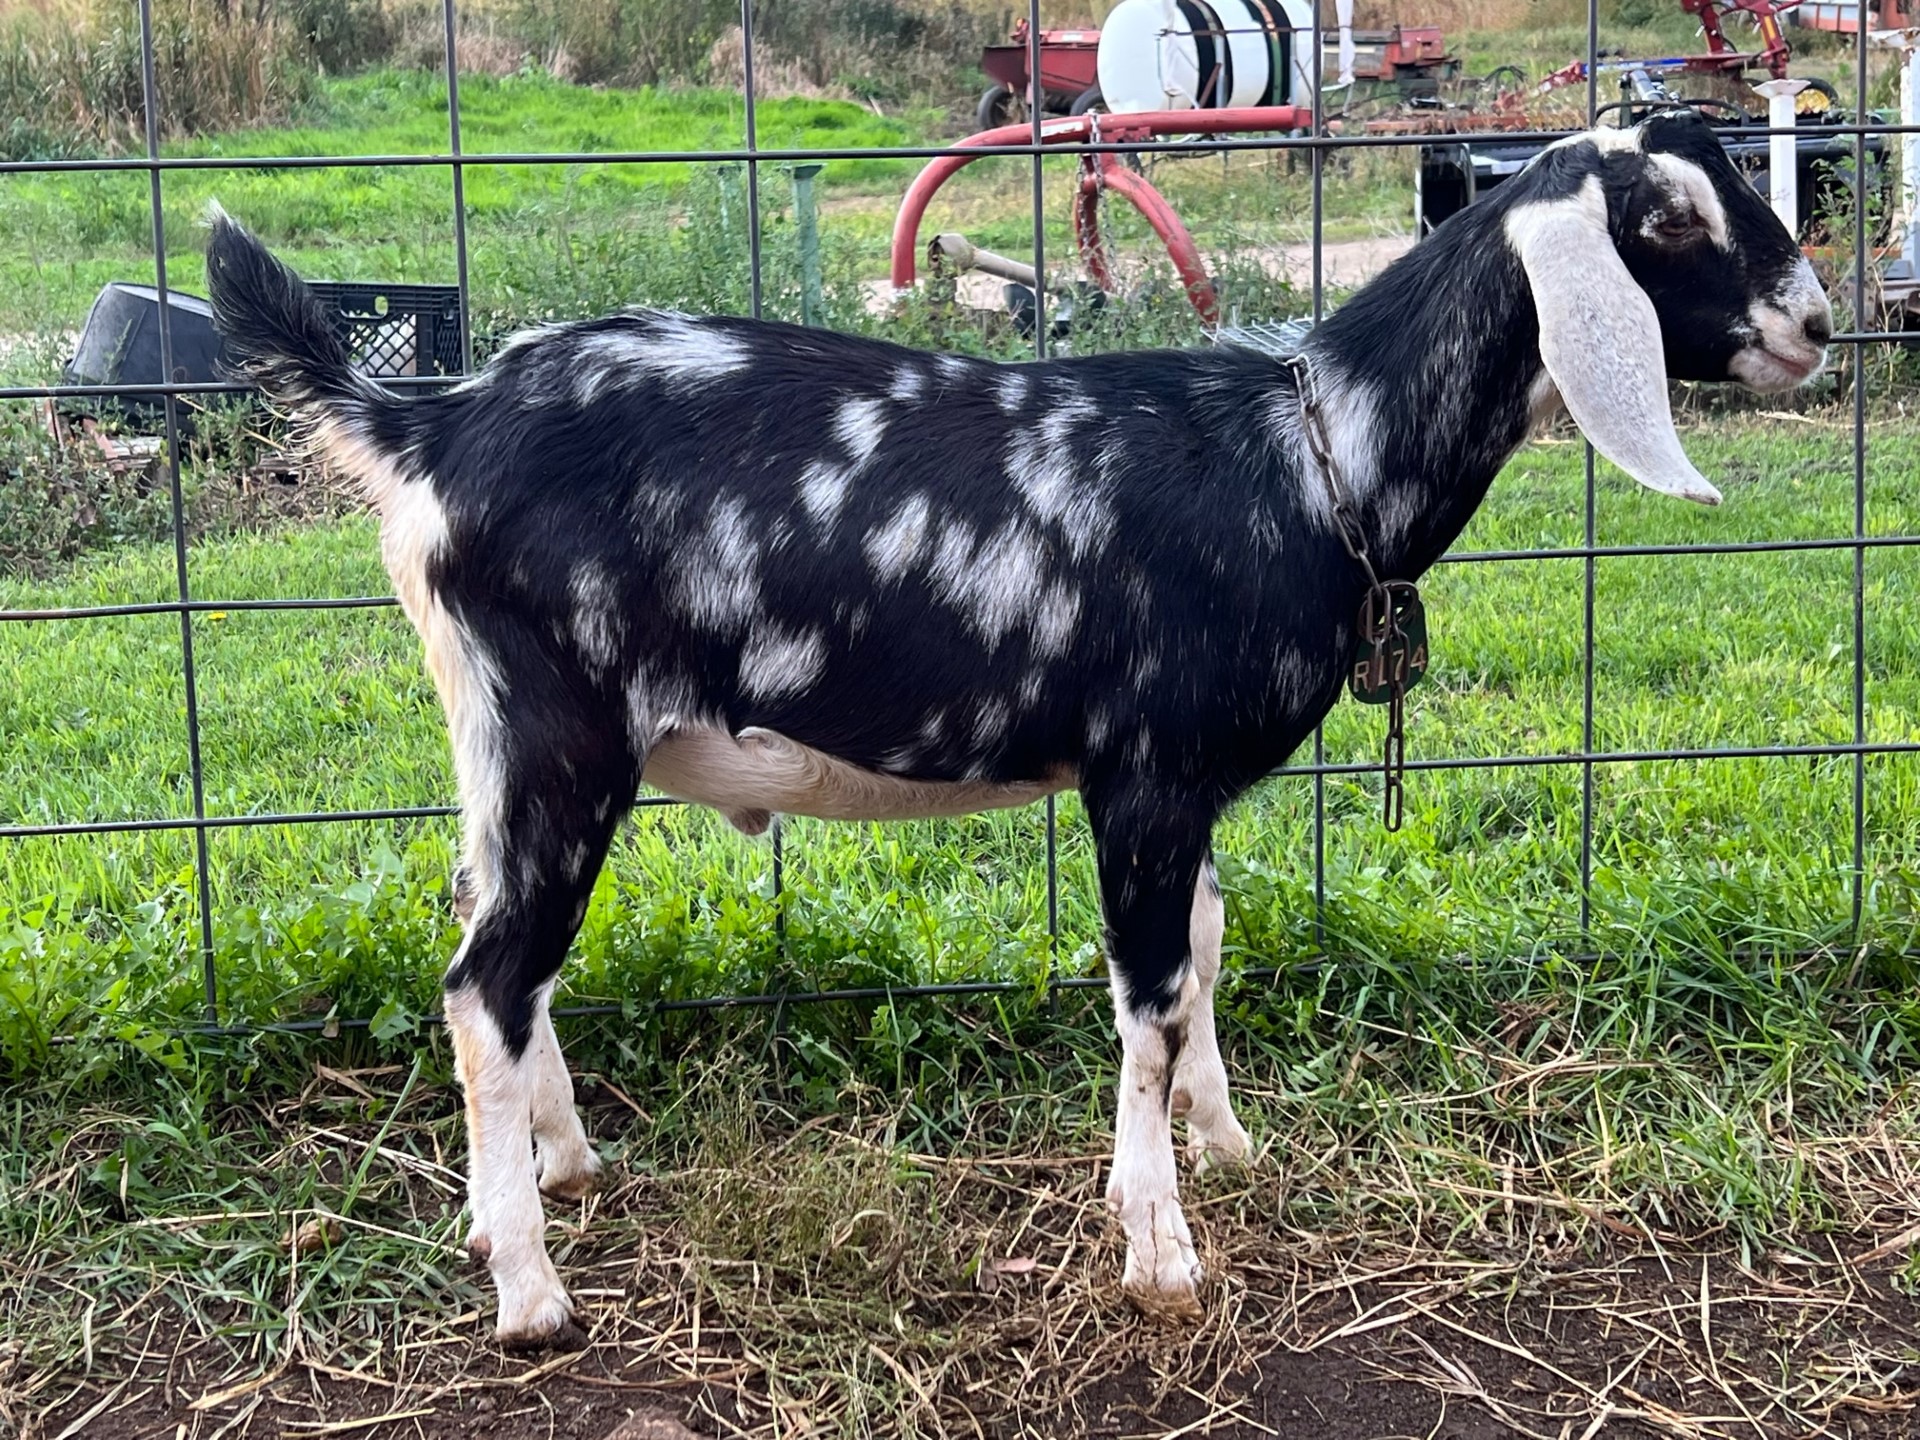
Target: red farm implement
1722	58
1410	59
1403	67
1101	172
1069	78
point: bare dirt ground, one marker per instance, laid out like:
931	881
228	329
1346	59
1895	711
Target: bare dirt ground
821	1282
1685	1342
1343	263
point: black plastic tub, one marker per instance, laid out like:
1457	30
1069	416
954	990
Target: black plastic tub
120	345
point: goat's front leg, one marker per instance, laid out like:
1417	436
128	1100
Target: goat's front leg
1152	845
1214	1136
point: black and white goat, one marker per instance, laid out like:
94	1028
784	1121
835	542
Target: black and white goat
771	569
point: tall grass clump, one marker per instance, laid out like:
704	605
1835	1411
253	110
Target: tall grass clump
633	42
883	49
71	79
886	49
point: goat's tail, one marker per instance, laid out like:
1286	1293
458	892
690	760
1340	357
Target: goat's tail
278	335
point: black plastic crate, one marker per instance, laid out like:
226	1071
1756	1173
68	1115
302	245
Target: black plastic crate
395	330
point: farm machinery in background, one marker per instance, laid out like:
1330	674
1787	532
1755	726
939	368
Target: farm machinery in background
1069	76
1722	60
1719	84
1197	72
1401	64
1844	18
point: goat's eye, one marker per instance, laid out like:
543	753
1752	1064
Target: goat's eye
1676	227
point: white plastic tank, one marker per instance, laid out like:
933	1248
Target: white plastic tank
1207	54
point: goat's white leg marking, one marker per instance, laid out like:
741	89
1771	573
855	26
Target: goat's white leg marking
1214	1136
564	1158
1163	1273
508	1225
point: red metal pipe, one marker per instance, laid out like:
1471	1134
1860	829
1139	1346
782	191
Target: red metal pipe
1075	129
1112	175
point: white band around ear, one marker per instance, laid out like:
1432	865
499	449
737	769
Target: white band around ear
1600	340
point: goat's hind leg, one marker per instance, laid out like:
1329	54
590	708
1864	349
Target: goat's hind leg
538	828
508	1230
564	1158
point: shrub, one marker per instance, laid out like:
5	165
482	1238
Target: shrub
346	35
885	49
61	497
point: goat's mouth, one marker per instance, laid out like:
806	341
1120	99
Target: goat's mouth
1769	371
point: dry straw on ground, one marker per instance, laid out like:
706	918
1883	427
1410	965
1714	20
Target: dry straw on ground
815	1279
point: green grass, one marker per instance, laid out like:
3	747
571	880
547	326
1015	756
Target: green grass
567	239
1711	867
75	232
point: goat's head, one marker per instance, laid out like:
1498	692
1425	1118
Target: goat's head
1650	255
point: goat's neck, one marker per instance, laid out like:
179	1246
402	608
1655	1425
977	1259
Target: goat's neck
1435	366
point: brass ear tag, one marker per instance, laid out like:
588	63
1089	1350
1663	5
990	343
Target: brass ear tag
1390	656
1390	649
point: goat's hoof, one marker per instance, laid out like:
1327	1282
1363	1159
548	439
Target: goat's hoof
571	1188
1163	1273
479	1251
535	1313
1215	1146
574	1181
564	1338
1177	1301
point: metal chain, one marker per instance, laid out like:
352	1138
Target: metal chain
1379	602
1313	424
1103	220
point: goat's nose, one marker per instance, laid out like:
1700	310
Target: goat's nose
1819	326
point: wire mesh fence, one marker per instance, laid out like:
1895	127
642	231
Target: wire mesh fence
417	336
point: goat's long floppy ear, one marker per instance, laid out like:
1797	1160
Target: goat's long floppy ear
1600	340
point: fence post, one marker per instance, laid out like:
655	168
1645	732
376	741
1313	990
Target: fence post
729	173
1783	160
812	301
1907	42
